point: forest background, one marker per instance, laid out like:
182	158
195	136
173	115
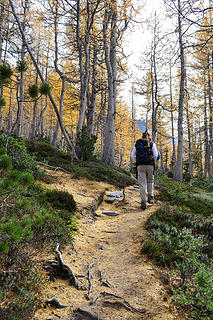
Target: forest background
64	65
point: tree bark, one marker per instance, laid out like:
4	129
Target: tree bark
111	63
172	119
1	51
92	100
209	92
179	165
206	136
84	57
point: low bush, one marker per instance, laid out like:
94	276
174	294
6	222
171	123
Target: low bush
17	151
61	200
21	282
179	236
85	145
26	219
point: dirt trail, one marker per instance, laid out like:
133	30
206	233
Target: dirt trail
125	284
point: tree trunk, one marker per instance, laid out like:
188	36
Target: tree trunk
157	103
206	138
21	98
21	83
91	106
201	150
179	165
111	63
55	134
83	68
172	120
1	52
35	109
189	135
209	92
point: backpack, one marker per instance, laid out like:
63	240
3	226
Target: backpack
144	153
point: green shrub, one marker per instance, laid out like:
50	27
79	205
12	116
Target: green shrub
5	74
194	289
21	282
16	149
5	163
180	236
85	145
61	200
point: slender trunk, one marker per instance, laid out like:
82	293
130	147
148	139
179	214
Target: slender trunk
154	113
206	138
189	142
152	96
55	134
189	135
21	101
21	83
35	115
111	63
1	52
9	116
172	120
179	165
91	107
83	68
201	150
209	92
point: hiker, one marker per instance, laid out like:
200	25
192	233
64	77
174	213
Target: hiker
145	155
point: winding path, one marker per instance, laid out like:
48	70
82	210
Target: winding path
124	284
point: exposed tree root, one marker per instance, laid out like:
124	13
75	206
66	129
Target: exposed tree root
88	295
119	302
66	268
103	281
62	270
55	303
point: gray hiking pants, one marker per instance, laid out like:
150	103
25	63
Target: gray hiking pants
145	180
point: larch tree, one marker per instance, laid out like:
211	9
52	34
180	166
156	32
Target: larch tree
69	142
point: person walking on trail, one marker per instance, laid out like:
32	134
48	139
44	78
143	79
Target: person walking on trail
145	154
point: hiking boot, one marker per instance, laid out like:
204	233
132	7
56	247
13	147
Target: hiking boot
143	205
150	199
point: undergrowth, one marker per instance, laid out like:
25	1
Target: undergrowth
30	217
90	169
180	238
33	216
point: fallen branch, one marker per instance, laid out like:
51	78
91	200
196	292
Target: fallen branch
54	168
88	295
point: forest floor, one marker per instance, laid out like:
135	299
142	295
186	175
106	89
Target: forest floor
107	257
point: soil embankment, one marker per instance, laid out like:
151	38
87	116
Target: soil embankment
121	283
